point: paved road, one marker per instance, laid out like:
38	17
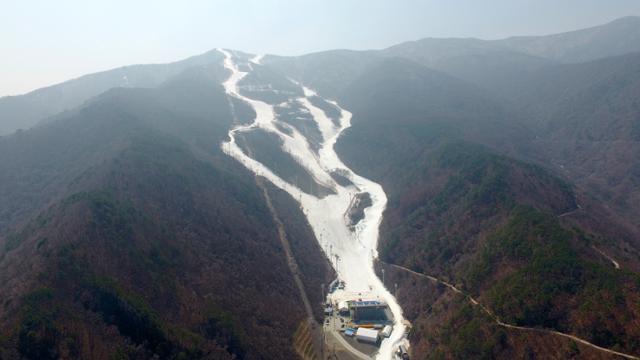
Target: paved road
355	352
332	330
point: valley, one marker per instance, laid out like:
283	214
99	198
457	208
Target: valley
437	199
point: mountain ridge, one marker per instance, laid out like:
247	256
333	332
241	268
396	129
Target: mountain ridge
124	223
24	111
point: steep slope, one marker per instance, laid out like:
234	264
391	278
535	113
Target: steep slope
585	117
124	230
150	241
24	111
486	223
40	163
490	226
400	107
327	72
582	116
352	244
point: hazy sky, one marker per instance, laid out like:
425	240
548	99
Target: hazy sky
43	42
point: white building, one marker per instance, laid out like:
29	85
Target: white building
367	335
386	332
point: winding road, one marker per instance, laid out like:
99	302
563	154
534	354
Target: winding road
497	320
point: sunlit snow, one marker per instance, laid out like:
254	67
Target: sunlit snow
351	252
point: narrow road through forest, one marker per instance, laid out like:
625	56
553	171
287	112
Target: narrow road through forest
497	320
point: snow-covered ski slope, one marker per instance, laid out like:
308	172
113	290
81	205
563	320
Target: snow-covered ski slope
351	250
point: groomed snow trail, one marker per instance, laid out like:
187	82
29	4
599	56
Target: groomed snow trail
352	252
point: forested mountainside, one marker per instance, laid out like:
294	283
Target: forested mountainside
146	240
462	213
585	117
495	228
477	200
510	167
578	119
25	111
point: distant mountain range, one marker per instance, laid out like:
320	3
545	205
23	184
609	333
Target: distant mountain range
512	170
616	38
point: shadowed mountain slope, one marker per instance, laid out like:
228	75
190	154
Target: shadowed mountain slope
485	222
25	111
149	241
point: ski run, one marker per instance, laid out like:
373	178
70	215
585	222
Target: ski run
351	249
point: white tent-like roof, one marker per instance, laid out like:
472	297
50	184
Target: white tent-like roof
367	335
